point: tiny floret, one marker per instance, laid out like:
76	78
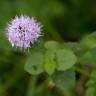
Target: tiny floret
23	31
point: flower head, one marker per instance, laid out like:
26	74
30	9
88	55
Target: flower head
23	31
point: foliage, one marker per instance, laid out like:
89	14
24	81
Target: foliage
91	88
55	64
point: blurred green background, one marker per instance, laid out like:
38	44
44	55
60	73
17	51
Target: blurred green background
66	20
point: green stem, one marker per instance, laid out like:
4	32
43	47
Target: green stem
31	87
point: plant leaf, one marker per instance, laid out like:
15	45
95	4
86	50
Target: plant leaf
89	57
52	45
34	64
65	81
89	41
65	59
50	63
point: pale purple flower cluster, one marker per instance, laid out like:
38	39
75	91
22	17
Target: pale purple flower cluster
23	31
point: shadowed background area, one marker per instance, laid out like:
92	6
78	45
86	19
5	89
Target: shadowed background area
66	20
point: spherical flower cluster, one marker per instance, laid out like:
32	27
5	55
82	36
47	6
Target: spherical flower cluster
23	31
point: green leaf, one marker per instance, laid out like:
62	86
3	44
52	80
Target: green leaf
91	85
65	59
89	41
89	57
34	64
52	45
65	81
74	46
50	63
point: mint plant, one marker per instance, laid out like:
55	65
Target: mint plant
57	60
